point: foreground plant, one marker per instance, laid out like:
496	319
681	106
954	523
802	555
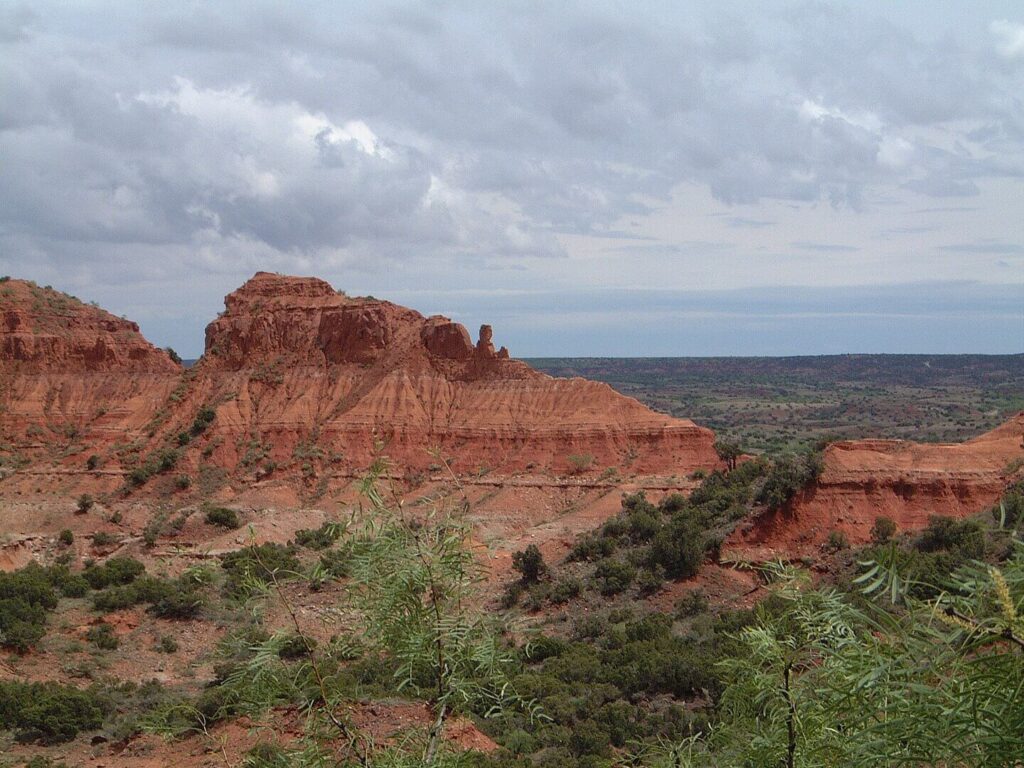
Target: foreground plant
410	601
931	682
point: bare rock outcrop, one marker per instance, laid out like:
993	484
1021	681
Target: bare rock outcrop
307	383
72	376
45	331
295	367
905	481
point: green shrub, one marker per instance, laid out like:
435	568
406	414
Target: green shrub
564	590
177	599
166	460
964	538
536	597
102	636
613	576
511	594
181	602
1009	511
580	462
84	504
22	624
294	647
590	548
50	713
836	541
650	581
529	564
787	477
103	539
67	583
116	570
204	418
883	529
728	451
319	538
66	537
692	603
167	645
140	475
257	564
679	547
92	463
162	461
39	761
26	596
145	589
222	517
336	563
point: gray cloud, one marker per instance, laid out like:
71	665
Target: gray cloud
742	222
223	138
803	245
986	247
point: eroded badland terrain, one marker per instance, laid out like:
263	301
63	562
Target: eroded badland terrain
160	525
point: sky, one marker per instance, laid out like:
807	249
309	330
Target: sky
591	178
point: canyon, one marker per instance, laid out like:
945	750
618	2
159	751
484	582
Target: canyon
302	389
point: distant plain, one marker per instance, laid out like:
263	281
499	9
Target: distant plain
779	404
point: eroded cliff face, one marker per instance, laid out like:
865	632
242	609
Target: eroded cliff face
308	384
299	372
866	479
72	376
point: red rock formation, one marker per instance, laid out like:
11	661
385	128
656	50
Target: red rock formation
46	331
906	481
73	375
308	380
296	368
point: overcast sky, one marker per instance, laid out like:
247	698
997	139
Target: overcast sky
593	179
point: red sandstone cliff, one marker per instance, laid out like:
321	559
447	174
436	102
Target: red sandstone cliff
307	381
906	481
300	373
72	376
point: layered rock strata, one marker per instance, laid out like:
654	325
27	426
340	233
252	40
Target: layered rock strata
72	376
905	481
297	367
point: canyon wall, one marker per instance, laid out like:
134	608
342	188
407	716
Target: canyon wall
298	379
905	481
297	370
73	378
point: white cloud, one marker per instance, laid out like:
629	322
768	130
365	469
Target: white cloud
1009	38
895	152
811	110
